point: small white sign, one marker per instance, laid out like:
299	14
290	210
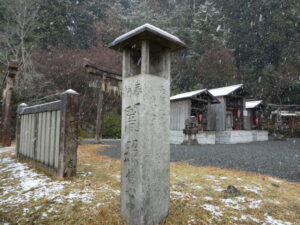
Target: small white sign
245	112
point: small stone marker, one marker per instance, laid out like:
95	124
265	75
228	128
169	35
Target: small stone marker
190	131
145	123
232	191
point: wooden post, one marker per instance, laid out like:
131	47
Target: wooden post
5	138
68	134
100	113
18	127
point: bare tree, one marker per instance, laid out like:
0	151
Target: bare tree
20	18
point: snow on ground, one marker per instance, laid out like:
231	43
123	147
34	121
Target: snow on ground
178	195
31	185
274	180
217	188
234	203
196	186
269	220
117	176
276	202
249	217
209	177
22	184
85	174
214	210
255	189
254	204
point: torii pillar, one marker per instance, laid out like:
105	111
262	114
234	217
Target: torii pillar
5	132
145	123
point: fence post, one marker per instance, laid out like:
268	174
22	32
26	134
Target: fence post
68	134
18	128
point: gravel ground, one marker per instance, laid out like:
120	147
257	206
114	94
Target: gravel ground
277	158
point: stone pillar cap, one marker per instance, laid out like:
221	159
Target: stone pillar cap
147	32
70	91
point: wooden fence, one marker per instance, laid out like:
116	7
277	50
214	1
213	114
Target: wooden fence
47	134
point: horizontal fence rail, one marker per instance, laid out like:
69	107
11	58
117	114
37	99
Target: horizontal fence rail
47	134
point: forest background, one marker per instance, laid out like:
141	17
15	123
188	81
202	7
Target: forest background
254	42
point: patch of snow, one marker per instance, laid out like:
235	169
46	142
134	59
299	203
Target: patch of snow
273	201
85	174
192	221
257	190
207	198
249	217
275	180
218	28
117	176
99	204
85	196
59	200
107	188
6	160
25	211
6	150
269	220
234	203
33	186
223	178
217	188
209	177
234	218
197	187
254	203
215	210
181	195
239	179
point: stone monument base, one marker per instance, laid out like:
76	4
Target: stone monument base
221	137
240	136
203	137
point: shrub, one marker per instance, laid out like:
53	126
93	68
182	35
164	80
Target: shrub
112	125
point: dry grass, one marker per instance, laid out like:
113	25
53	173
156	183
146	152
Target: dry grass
196	195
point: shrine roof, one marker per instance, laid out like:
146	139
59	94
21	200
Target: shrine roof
193	94
253	104
223	91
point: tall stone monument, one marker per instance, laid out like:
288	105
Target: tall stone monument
145	123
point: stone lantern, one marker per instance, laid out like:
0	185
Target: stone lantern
145	123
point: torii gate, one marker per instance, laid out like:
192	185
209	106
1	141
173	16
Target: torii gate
5	129
106	82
